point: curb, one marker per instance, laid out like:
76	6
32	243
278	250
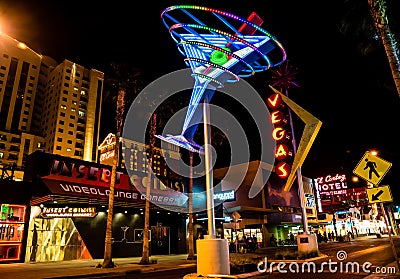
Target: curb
89	275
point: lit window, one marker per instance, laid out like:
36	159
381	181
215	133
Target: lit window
69	149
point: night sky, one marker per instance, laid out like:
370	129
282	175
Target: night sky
353	94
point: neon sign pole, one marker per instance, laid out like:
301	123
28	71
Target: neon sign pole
209	175
215	56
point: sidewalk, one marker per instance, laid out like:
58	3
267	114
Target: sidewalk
87	268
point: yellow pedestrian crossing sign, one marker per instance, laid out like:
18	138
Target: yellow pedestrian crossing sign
379	194
372	168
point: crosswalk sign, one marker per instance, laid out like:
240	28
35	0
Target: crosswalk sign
372	168
379	194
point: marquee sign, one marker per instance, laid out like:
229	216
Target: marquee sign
86	179
280	135
68	212
108	141
332	185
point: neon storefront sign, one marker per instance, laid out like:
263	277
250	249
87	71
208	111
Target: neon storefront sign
332	185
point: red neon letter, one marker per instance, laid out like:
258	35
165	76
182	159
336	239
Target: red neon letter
278	133
282	169
274	100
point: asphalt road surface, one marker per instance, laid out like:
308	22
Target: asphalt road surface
369	258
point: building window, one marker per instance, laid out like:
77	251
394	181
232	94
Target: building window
80	136
78	153
12	157
58	147
59	139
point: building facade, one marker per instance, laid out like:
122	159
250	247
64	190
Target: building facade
272	211
45	106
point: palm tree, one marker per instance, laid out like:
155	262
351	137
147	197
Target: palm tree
124	80
145	252
378	10
368	21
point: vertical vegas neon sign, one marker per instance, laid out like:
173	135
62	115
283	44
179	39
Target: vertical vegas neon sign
280	135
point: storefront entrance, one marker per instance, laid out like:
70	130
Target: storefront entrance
160	240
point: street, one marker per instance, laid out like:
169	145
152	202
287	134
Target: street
370	257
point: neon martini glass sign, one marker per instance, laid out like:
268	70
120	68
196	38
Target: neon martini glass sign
217	54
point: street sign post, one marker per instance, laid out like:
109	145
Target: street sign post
236	216
372	168
379	194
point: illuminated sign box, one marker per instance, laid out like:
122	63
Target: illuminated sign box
225	196
106	156
68	212
332	185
